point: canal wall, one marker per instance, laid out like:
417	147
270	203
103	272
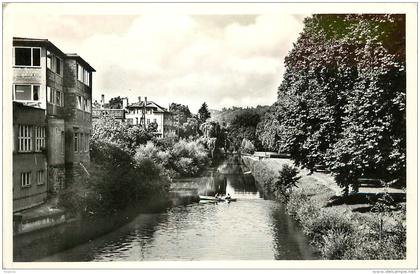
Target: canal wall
36	244
345	228
265	172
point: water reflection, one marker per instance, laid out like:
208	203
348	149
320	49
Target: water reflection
250	229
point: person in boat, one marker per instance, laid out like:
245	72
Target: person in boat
227	197
216	196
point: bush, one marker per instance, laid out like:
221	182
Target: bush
185	158
335	243
116	181
247	146
286	181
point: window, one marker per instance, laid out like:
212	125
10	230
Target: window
55	97
28	57
39	138
87	142
35	93
49	95
54	63
58	98
25	179
25	138
62	143
79	73
148	121
82	142
154	120
137	120
23	92
79	102
40	177
87	105
27	93
49	60
83	75
58	65
76	142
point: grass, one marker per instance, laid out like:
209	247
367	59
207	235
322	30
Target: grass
339	230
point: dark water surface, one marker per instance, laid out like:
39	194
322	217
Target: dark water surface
250	229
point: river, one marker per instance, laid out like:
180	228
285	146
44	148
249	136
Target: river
251	228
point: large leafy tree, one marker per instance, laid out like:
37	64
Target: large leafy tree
243	126
116	103
110	131
342	99
181	112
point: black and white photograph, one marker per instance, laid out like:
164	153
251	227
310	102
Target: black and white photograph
210	135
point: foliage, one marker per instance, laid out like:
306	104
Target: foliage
336	233
184	158
115	182
203	113
181	112
342	99
227	115
152	127
116	103
214	136
189	128
269	129
243	126
247	146
341	236
126	137
288	177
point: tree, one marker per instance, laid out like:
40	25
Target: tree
243	126
203	113
116	103
152	127
342	99
286	181
181	112
126	137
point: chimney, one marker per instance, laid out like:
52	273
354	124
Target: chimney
102	100
124	102
145	101
139	99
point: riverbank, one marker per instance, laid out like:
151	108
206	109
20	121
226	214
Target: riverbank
75	230
362	226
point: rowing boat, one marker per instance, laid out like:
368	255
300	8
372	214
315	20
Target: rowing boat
211	198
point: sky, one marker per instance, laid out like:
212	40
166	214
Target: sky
189	58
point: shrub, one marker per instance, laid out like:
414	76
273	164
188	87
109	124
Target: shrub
335	243
247	146
286	180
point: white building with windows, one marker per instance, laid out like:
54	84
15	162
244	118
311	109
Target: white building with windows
144	113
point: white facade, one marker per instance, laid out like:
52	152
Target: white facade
153	113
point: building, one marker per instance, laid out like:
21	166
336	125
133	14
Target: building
29	157
145	112
52	94
104	110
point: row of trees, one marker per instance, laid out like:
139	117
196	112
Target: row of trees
129	165
342	99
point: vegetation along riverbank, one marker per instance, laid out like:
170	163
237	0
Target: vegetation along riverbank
365	225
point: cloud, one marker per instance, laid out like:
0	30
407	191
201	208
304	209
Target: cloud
223	60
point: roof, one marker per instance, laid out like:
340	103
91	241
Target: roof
80	60
150	104
30	105
48	44
36	42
